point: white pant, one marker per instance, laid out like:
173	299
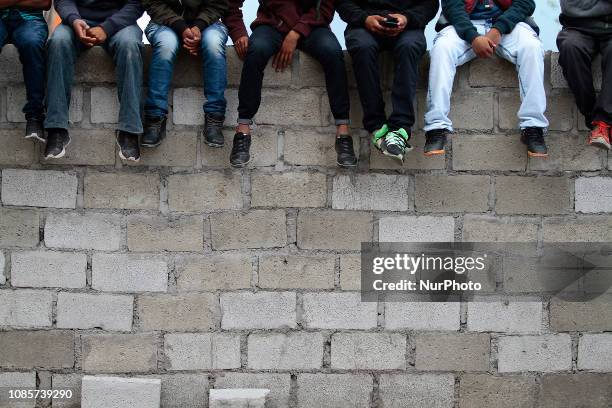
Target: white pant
522	47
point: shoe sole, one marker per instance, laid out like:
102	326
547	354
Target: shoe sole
215	145
126	158
434	153
537	155
599	142
35	136
347	165
151	145
239	166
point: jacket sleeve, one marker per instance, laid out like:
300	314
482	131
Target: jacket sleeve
161	13
126	16
212	11
67	10
312	18
454	11
517	12
351	12
234	20
421	13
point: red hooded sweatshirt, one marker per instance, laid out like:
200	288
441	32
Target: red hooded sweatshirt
284	15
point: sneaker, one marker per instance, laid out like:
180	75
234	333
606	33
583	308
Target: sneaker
533	137
396	144
345	152
600	135
35	130
378	136
240	155
57	140
434	142
154	131
128	146
213	129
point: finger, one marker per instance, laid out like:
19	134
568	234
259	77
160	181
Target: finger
275	61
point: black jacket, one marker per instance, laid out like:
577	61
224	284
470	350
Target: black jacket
418	12
182	14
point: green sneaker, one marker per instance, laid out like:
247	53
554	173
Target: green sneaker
379	135
396	144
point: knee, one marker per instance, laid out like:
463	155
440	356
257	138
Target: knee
412	48
362	46
258	50
61	38
129	47
532	48
213	41
571	45
167	48
32	42
443	47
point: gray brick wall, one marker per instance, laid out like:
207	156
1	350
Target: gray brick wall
183	269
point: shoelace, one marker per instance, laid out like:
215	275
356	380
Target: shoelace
395	138
241	143
212	122
345	145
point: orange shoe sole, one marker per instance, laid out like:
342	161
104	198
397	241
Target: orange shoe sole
538	155
434	153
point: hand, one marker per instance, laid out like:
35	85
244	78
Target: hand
495	36
483	47
374	24
241	46
191	40
80	28
98	33
285	56
402	22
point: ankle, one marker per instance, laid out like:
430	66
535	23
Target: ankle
244	129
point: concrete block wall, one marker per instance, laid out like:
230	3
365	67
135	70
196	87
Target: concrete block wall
182	269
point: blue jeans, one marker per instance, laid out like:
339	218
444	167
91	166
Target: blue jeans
29	37
166	44
125	47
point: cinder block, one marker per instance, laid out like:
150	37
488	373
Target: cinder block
213	272
416	229
262	310
568	151
318	149
422	316
204	192
145	233
333	229
286	107
546	353
18	151
278	384
119	353
179	149
238	398
557	78
25	308
83	231
485	390
560	114
589	228
295	272
187	106
129	273
492	72
412	390
116	392
37	349
532	195
202	351
184	390
472	110
338	311
95	66
10	65
104	105
294	189
18	228
478	228
92	147
291	351
371	192
48	269
592	194
505	317
91	311
595	352
350	272
368	351
452	352
2	268
253	229
16	97
70	382
264	149
575	390
442	193
581	316
186	312
17	381
489	152
122	190
39	188
334	390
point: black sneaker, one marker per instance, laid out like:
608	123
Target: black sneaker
345	151
533	137
240	156
128	146
154	131
213	129
57	140
35	129
434	142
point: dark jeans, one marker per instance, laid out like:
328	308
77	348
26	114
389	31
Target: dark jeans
265	42
577	50
29	37
408	48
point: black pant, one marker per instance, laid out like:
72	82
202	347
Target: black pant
408	48
321	44
577	50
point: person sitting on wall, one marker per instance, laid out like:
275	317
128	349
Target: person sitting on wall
398	26
196	26
481	28
86	23
282	26
587	30
23	24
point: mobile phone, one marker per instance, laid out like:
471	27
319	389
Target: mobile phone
391	22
